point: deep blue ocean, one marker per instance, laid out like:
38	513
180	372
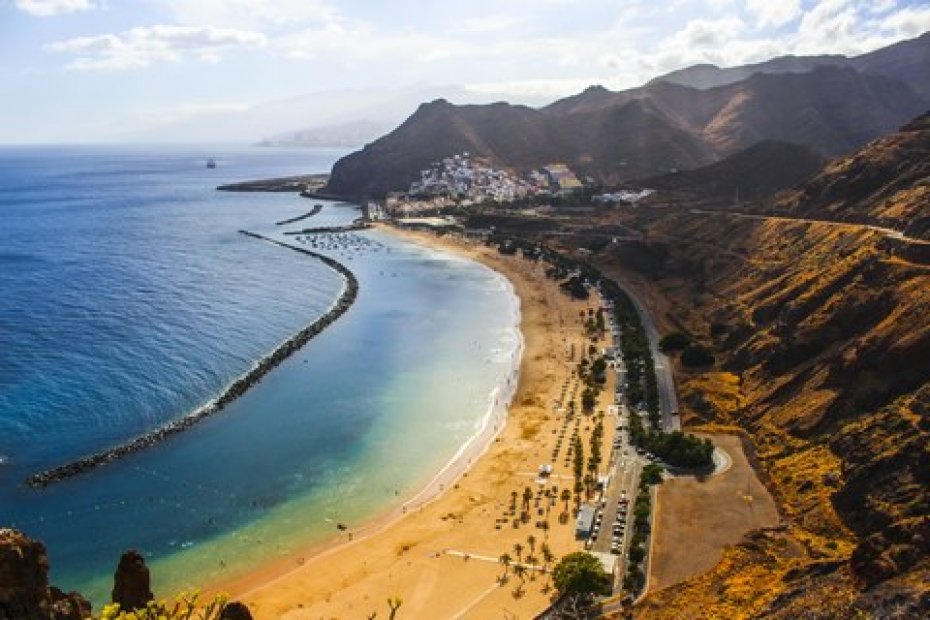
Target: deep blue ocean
128	298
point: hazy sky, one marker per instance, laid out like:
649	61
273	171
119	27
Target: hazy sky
88	69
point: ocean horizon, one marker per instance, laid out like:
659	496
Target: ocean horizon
128	299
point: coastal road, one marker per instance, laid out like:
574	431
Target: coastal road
668	399
888	232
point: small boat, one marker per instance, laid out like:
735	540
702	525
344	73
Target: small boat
211	163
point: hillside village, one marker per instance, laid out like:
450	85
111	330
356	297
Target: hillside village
464	180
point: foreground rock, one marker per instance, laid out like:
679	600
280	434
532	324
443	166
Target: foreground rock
235	611
132	583
25	593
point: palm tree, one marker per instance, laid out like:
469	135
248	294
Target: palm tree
547	555
505	559
531	541
531	560
518	549
527	497
513	500
544	525
394	604
520	571
566	497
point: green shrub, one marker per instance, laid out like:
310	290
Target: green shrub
696	355
675	341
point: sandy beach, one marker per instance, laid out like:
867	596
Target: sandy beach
439	552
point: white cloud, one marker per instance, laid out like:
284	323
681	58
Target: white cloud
909	22
490	23
773	13
358	42
540	89
882	6
144	46
251	13
48	8
706	33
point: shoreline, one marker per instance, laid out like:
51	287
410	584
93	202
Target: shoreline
441	554
487	429
230	394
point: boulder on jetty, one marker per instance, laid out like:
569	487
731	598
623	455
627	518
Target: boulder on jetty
132	587
25	593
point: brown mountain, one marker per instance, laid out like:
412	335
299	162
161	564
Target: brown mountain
756	173
512	135
831	110
825	365
641	132
707	75
887	183
630	140
907	61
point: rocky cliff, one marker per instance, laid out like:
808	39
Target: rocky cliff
887	184
824	347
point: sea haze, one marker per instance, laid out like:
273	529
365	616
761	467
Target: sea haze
128	298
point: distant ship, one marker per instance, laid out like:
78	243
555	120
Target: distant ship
211	163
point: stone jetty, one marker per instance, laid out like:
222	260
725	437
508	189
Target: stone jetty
316	209
234	391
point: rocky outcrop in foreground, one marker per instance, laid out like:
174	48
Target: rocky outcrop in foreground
25	593
132	587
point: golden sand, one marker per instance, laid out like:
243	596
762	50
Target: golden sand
441	558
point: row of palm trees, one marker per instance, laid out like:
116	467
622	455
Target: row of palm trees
565	495
529	564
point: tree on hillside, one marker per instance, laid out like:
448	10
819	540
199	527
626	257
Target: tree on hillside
674	341
696	355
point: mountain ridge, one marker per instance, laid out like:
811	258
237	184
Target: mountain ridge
647	131
894	60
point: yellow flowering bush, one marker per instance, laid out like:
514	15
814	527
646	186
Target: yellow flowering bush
184	607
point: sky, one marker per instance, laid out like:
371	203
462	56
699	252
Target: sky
102	70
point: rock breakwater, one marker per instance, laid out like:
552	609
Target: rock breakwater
235	390
316	209
357	225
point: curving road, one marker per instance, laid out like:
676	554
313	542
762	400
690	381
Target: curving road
888	232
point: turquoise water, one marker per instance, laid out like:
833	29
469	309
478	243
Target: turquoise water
127	298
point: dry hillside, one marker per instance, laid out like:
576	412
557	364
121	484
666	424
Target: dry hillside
823	343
